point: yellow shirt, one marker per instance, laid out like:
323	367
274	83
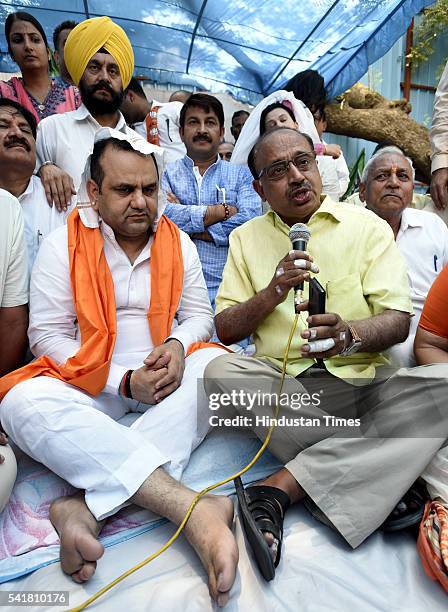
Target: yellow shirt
359	266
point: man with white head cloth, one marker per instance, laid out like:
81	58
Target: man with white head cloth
304	122
119	312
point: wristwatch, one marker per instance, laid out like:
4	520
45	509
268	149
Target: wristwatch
354	345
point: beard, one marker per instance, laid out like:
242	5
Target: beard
97	106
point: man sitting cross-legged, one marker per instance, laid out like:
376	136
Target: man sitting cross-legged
98	282
352	445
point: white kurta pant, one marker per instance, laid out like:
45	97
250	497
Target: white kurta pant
76	435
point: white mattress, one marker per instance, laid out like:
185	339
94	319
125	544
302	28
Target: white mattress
318	572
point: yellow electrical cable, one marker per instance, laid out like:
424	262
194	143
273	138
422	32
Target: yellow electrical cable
174	537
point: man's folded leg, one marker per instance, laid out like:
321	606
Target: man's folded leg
356	481
76	436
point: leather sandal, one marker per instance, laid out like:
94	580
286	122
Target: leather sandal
262	510
409	510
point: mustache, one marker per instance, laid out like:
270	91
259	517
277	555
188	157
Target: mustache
205	137
11	142
299	188
103	85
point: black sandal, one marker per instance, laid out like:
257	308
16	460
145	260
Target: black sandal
409	510
262	509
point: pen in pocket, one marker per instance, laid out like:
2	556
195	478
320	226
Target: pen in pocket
435	263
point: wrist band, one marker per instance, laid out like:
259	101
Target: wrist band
319	148
226	211
125	385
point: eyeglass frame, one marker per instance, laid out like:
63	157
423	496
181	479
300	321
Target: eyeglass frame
311	156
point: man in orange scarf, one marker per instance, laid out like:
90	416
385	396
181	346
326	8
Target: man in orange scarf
117	300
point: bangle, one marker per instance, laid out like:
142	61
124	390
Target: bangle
226	211
125	385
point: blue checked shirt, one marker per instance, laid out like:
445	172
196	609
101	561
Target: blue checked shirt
179	178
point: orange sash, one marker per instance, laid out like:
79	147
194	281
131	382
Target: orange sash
94	300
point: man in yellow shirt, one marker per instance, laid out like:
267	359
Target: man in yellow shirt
340	437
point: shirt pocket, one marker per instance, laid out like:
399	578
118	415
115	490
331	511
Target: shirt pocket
345	297
230	197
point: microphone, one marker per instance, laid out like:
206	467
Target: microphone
299	234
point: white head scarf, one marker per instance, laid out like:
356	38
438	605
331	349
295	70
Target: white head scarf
251	129
88	215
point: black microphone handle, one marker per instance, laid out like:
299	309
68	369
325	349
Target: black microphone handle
299	245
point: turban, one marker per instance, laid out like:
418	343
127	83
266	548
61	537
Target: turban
89	37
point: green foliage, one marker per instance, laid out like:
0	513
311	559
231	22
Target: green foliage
434	22
355	175
54	68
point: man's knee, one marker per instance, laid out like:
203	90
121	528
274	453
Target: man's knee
8	473
220	368
21	398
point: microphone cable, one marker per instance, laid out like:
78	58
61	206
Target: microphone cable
212	487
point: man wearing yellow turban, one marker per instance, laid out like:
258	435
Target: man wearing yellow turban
100	60
90	36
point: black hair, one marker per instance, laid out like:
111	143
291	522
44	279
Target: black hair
255	149
207	103
65	25
270	108
27	115
309	87
320	114
96	170
21	16
136	87
238	113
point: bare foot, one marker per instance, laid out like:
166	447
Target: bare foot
78	531
209	532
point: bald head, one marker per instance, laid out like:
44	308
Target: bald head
284	165
180	96
275	137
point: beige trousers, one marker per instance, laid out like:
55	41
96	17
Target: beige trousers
354	474
8	472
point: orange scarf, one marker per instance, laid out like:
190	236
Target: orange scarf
94	299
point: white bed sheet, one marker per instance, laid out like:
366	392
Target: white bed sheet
318	572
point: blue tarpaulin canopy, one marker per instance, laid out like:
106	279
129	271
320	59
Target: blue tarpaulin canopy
246	47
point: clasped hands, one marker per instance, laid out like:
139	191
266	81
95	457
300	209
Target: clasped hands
161	373
327	334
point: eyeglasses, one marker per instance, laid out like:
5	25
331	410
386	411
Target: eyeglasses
277	170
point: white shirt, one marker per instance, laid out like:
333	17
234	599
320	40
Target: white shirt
423	242
40	219
13	265
67	140
168	128
53	329
334	174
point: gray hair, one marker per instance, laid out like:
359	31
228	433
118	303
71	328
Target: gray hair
384	151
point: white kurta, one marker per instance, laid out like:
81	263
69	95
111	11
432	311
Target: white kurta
76	435
40	219
13	268
67	140
423	242
168	128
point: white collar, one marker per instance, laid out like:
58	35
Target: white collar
82	113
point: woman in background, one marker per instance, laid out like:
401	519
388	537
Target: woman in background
35	89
